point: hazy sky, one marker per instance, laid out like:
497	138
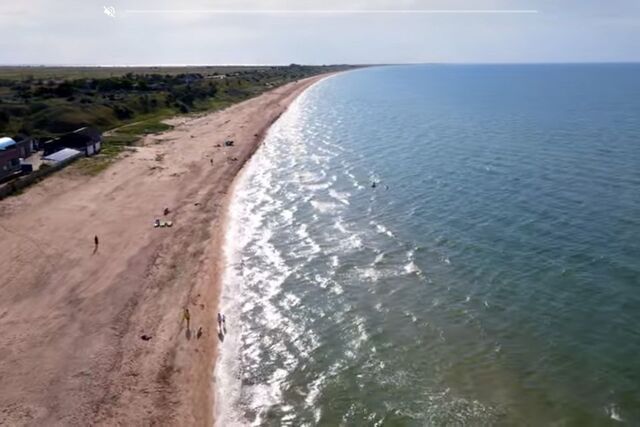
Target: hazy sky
186	32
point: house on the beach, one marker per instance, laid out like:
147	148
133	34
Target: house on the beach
13	153
9	158
87	140
26	145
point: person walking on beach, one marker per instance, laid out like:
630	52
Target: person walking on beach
95	241
187	316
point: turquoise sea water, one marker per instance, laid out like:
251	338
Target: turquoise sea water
491	277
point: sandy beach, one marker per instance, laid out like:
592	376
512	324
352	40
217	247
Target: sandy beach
71	351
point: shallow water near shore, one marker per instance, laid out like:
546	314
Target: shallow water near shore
491	276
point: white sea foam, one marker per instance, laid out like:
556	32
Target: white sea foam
318	186
363	336
324	207
342	197
354	241
384	230
302	231
308	177
614	413
313	393
353	179
412	316
318	160
369	273
411	268
251	216
322	281
339	225
336	289
330	153
287	215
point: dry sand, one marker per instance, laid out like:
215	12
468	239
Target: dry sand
71	320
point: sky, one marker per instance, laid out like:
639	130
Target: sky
142	32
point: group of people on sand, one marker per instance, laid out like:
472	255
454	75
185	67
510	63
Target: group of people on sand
222	324
186	316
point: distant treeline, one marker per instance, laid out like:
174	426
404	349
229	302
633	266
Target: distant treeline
41	105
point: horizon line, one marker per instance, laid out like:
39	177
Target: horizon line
334	11
371	64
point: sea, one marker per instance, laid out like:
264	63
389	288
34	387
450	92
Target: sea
435	245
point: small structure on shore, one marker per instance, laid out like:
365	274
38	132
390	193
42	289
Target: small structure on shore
25	145
87	140
9	158
64	155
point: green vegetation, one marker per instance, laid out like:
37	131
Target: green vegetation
129	102
128	134
93	165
